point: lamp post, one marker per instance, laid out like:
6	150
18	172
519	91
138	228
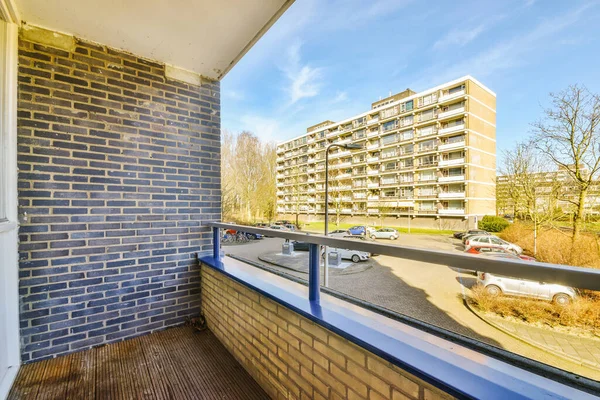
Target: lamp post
348	146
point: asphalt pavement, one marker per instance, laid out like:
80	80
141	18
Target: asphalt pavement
429	292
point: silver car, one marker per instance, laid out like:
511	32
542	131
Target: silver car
385	233
491	240
496	285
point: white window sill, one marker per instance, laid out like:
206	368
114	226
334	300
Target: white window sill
6	226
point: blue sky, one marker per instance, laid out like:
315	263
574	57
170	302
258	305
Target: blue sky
331	59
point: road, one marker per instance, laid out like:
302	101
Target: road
428	292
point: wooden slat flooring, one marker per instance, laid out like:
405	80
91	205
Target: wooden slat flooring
178	363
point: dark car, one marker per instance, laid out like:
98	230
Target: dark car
261	225
460	235
300	246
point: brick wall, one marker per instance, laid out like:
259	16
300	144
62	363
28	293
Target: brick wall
118	167
291	357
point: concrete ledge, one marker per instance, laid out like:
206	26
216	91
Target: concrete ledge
47	37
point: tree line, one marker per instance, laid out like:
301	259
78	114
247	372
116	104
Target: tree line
248	173
554	172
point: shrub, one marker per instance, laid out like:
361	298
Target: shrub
583	313
555	246
492	223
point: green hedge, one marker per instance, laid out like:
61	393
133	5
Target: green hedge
491	223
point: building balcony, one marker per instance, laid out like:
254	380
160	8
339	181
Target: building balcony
373	210
373	185
408	204
451	211
373	172
346	211
332	133
451	113
343	176
372	159
451	129
373	146
281	176
311	140
373	198
280	193
451	146
373	121
372	133
451	195
311	180
454	178
280	159
452	96
449	163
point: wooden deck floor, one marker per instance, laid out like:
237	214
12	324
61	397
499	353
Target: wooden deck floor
178	363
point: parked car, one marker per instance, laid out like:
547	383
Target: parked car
460	235
492	240
385	233
251	236
291	227
482	249
261	225
338	232
468	235
348	254
496	285
300	246
361	230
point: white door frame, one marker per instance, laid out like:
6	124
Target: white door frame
9	263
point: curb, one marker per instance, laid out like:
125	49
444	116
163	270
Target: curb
537	345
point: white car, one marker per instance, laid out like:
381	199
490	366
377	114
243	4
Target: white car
338	233
491	240
496	285
385	233
347	254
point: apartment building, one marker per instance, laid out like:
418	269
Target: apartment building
426	158
554	190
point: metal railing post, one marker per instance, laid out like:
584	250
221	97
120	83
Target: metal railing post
217	243
313	273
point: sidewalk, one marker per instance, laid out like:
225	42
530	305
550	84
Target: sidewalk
582	350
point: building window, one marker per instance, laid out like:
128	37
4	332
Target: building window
390	166
408	105
389	179
405	135
406	149
406	192
385	140
426	131
456	89
407	177
427	115
389	193
386	153
388	126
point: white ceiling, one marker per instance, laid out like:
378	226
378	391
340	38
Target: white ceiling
203	36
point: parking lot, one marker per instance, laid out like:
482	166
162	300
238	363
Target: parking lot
429	292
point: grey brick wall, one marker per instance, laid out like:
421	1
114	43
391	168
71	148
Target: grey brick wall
118	167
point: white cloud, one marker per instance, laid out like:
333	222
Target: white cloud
340	97
459	37
234	95
506	54
304	80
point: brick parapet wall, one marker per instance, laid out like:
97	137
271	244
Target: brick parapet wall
294	358
118	166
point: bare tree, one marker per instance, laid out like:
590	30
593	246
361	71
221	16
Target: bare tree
530	188
569	136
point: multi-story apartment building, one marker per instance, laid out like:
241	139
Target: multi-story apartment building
554	189
429	157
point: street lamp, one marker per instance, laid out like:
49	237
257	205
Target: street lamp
348	146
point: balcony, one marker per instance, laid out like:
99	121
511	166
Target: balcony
373	172
451	113
451	129
372	133
373	198
372	146
451	146
454	178
310	180
372	159
373	121
343	176
452	195
346	211
280	193
449	163
373	210
311	140
408	204
451	211
452	96
332	133
373	185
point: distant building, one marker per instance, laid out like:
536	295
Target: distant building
567	193
428	156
